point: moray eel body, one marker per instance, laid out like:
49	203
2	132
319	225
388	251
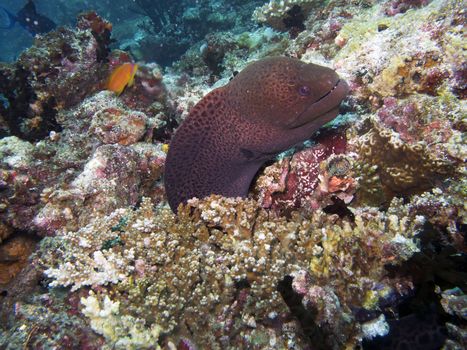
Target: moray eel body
270	106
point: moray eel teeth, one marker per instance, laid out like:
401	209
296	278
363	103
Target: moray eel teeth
270	106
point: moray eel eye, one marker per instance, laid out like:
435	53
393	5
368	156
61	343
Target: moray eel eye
304	90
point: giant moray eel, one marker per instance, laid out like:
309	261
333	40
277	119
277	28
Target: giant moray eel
270	106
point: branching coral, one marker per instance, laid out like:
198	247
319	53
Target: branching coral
121	332
222	256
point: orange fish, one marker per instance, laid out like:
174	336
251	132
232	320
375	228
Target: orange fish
122	76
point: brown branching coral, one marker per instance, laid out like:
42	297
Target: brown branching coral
212	274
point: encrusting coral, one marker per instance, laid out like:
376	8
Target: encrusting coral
402	167
310	179
48	182
228	255
409	146
420	55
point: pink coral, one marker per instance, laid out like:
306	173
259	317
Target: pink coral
406	118
296	182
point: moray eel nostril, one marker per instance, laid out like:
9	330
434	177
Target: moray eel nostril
268	107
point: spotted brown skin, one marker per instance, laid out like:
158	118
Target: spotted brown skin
270	106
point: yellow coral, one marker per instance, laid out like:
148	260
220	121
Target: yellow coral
120	331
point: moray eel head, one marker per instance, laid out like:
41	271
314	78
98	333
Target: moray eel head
287	92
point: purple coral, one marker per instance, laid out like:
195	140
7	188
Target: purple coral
406	117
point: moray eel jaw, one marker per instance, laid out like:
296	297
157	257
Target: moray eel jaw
325	109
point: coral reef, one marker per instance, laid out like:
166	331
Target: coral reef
222	250
97	185
279	13
402	167
343	241
421	51
47	184
304	181
410	145
61	69
172	28
313	25
47	320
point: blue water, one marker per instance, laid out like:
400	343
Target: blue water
62	12
173	31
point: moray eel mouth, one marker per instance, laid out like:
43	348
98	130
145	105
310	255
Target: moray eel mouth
325	108
329	92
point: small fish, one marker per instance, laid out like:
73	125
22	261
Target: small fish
122	76
29	19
